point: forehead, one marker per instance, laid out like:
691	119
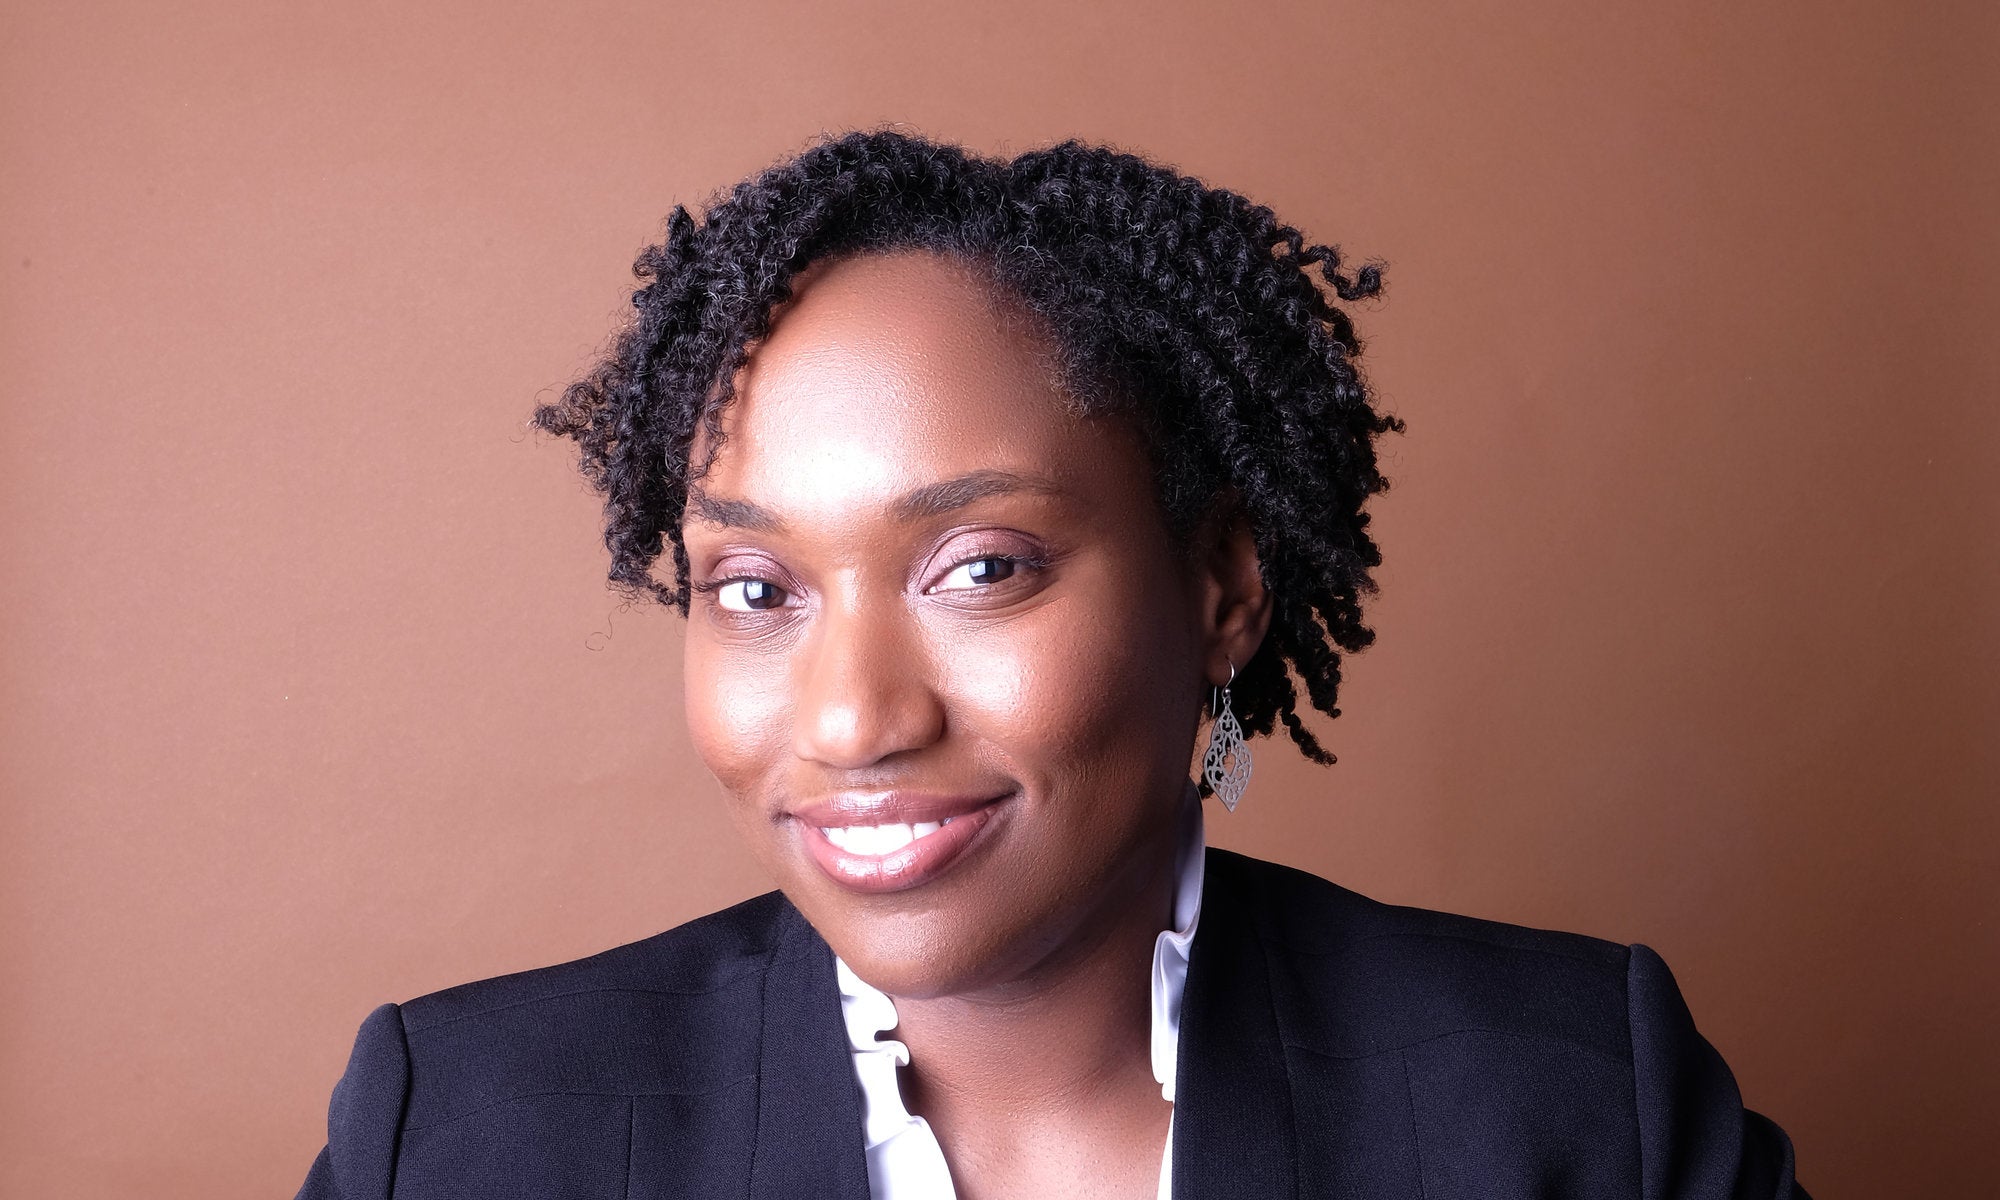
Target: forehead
888	372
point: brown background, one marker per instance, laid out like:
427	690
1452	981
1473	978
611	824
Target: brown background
314	697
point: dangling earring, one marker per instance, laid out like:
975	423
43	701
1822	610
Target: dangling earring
1226	766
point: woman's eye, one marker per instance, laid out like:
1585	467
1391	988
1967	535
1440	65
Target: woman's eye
749	595
977	573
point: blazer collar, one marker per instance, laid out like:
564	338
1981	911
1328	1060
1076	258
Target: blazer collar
1235	1133
808	1140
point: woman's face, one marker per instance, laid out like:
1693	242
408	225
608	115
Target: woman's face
941	655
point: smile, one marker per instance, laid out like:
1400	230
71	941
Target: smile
877	840
855	846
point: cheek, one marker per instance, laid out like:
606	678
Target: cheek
1079	689
738	712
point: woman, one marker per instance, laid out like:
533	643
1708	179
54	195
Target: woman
983	485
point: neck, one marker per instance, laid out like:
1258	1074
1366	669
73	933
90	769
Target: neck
1073	1033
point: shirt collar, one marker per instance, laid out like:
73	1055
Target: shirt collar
1170	949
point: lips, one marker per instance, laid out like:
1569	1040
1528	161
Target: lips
888	842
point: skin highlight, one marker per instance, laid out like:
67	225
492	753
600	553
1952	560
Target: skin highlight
918	570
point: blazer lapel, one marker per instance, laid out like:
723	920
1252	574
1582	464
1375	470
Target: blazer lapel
809	1139
1234	1129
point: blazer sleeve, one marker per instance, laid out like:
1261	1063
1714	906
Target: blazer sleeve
365	1119
1696	1140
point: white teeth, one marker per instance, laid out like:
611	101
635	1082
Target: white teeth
877	840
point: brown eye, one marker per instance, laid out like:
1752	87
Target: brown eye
977	573
750	595
989	570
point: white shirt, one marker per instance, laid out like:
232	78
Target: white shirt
905	1161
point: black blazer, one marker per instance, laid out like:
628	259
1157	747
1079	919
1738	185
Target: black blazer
1330	1046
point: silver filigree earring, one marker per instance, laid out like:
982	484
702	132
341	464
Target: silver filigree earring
1226	766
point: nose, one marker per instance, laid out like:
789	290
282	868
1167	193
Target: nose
863	688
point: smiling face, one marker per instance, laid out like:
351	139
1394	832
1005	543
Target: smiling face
942	654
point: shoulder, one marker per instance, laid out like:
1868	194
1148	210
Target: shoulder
1410	973
688	998
686	963
1319	912
557	1049
1534	1040
1454	1000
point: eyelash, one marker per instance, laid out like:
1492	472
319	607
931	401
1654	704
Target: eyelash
1030	562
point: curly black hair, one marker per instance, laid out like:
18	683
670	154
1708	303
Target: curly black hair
1186	308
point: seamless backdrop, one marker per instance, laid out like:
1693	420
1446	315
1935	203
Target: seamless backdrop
312	695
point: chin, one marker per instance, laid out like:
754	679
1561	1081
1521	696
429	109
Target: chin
911	956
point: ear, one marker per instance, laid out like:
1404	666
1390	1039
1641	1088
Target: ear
1233	605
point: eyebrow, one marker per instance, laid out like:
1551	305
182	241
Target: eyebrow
933	499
